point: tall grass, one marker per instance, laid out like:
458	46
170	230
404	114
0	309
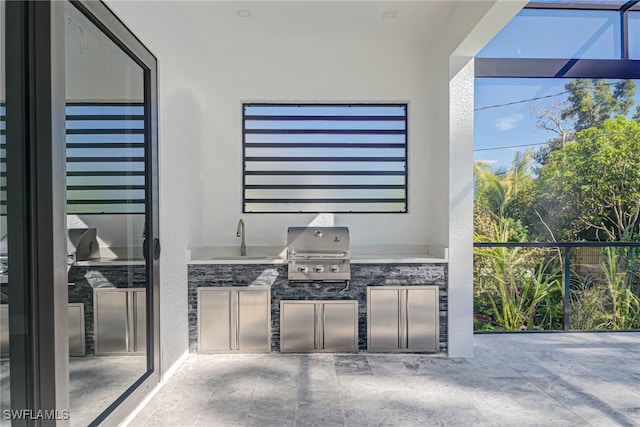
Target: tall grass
515	285
622	286
521	288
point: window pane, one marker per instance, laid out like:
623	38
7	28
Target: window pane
106	188
325	158
552	155
105	157
634	35
549	33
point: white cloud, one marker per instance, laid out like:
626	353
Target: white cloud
509	122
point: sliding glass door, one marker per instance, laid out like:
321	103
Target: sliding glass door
110	203
5	377
79	293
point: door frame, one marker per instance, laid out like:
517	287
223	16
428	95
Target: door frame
36	207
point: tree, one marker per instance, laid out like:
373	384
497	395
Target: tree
495	188
591	187
552	208
590	103
495	192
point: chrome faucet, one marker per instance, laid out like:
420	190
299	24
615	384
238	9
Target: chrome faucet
240	233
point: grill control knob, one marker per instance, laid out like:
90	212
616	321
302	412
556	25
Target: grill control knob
303	268
335	268
318	268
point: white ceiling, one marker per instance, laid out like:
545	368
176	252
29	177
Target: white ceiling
305	21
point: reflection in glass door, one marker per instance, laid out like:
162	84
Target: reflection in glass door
5	398
109	210
69	290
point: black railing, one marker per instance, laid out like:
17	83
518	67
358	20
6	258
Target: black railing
614	271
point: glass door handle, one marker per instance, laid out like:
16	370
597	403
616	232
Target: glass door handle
156	248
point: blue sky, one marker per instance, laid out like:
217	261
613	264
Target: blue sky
511	126
539	34
501	131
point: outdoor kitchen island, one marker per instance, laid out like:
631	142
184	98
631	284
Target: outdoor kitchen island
400	278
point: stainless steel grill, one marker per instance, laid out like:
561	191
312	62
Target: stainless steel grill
319	254
82	244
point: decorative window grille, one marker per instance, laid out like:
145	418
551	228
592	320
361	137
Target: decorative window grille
105	158
325	158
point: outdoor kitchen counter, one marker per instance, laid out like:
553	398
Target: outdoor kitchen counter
108	262
113	256
366	272
405	254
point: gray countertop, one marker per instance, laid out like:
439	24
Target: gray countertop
391	254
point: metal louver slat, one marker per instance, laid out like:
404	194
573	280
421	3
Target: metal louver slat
324	158
105	158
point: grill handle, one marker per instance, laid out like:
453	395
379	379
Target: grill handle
342	254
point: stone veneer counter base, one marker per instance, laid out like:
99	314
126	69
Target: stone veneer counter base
275	277
89	276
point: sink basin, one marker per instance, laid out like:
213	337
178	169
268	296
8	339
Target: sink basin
269	254
247	259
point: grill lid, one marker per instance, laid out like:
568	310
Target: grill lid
318	253
83	243
318	242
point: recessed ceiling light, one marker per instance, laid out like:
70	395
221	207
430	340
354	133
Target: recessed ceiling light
244	13
389	14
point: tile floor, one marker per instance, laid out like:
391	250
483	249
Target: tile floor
94	383
548	379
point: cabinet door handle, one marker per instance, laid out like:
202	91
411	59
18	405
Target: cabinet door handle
127	335
321	328
402	310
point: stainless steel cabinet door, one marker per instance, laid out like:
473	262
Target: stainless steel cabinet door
422	319
340	326
297	326
140	325
308	326
120	321
76	329
214	320
402	318
254	319
383	316
4	329
111	323
234	319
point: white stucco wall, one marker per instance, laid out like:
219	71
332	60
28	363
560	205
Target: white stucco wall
212	77
203	81
303	72
177	174
452	152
